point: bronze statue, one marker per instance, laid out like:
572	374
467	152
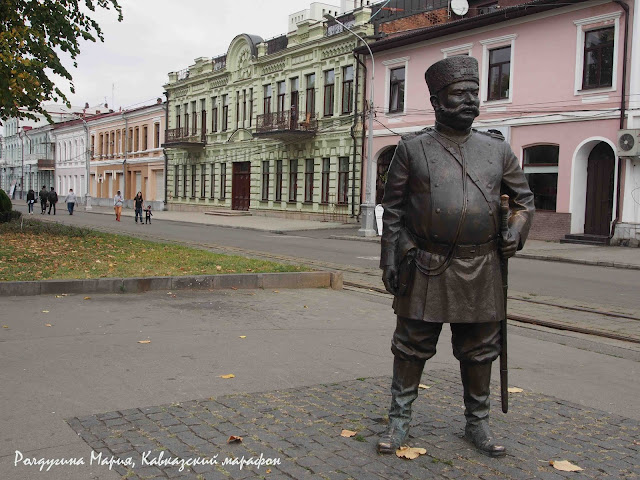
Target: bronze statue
441	248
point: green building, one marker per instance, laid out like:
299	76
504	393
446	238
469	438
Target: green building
273	127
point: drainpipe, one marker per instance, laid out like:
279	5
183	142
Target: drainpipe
164	150
364	89
623	100
124	162
353	139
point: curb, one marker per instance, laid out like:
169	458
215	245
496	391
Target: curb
594	263
238	281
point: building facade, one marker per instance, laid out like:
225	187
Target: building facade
273	126
127	155
557	81
28	151
70	153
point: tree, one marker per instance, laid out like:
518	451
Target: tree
31	34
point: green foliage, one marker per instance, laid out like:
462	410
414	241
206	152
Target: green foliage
5	202
31	34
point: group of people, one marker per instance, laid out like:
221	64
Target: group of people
51	198
138	203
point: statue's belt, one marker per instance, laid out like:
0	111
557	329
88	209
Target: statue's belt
460	251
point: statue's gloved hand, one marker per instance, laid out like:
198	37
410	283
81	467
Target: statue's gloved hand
390	278
509	243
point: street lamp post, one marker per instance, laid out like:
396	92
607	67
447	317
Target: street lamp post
367	214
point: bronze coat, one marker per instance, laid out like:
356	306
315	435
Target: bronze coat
423	198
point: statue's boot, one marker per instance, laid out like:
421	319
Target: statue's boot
476	378
404	390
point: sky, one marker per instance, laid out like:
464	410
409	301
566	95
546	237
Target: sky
156	37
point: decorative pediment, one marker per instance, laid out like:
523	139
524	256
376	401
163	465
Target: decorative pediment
240	135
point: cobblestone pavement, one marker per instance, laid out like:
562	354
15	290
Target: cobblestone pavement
300	428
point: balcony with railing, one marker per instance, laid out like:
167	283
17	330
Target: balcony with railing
287	125
184	137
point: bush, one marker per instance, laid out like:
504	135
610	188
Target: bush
5	202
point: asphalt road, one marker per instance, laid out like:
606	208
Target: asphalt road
581	283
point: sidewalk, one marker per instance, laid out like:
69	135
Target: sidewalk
249	222
306	364
619	257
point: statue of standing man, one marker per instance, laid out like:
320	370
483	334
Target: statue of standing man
441	248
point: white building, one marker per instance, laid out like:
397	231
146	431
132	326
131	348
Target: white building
18	164
71	158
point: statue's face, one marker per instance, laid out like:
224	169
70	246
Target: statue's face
457	105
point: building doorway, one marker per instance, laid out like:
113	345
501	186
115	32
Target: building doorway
241	186
599	205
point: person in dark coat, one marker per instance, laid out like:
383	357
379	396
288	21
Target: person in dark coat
31	199
137	205
53	199
44	195
442	218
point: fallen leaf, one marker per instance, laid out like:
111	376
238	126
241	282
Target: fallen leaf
635	442
5	326
234	439
515	390
231	375
565	466
45	311
268	470
58	296
410	452
87	298
98	261
48	325
168	293
276	291
144	341
348	433
234	288
305	306
423	386
218	267
242	336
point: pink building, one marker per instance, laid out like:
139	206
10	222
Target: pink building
127	155
552	81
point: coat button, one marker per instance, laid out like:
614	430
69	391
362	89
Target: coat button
437	210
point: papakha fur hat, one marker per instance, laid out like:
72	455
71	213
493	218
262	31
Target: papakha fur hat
459	68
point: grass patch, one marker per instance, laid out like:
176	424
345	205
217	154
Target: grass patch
34	250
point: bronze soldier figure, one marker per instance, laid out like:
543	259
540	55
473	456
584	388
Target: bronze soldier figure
441	248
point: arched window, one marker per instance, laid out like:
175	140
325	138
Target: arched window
541	169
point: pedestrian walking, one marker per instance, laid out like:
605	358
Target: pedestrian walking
44	195
71	201
31	199
137	205
53	199
147	214
117	205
